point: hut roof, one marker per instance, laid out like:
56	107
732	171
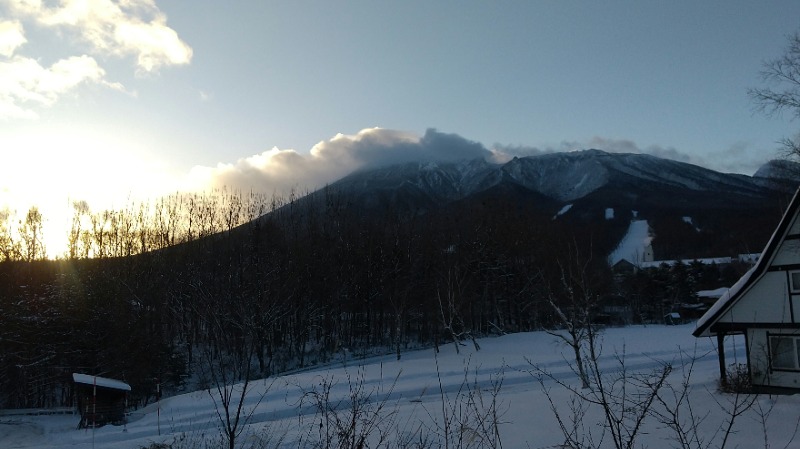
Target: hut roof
103	382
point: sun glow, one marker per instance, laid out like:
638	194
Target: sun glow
53	170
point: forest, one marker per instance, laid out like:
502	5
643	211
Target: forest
172	293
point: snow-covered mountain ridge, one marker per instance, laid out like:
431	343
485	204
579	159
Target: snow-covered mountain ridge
562	177
591	192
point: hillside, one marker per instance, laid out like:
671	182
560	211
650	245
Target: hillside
730	213
387	260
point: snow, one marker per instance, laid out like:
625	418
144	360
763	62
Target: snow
723	301
690	221
716	293
425	381
751	258
100	381
563	210
632	246
702	260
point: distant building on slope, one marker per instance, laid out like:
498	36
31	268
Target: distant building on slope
647	255
741	258
627	266
623	266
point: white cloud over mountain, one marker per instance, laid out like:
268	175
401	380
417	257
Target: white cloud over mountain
282	171
329	160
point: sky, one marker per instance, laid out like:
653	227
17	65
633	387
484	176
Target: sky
103	100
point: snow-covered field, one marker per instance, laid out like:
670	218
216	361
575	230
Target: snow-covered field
425	382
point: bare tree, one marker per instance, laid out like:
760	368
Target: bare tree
100	233
452	296
783	95
573	298
364	418
31	231
470	416
678	411
9	243
230	369
625	398
75	240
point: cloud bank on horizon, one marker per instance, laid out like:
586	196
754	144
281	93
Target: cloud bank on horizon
282	171
101	28
735	159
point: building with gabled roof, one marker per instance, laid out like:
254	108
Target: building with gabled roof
764	306
100	400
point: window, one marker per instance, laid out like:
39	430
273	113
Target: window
794	281
784	352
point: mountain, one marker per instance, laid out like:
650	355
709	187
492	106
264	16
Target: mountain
632	180
396	257
779	169
728	212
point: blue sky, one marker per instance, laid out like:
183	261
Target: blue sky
142	97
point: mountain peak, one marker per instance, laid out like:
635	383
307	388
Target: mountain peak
779	169
563	177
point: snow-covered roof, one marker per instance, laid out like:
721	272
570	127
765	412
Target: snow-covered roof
723	300
752	257
103	382
704	261
703	327
716	293
563	210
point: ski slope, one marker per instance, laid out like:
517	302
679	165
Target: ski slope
632	246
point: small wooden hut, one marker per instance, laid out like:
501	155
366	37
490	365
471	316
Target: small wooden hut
100	400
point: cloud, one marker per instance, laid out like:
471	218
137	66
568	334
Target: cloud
740	157
598	143
629	146
118	28
614	145
123	28
12	36
285	170
280	171
502	153
24	83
